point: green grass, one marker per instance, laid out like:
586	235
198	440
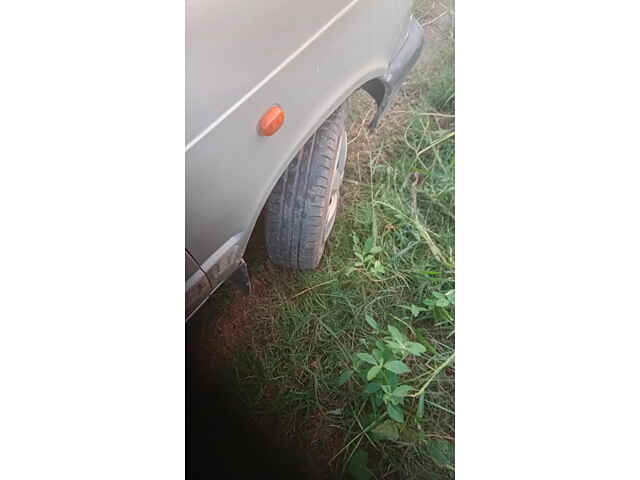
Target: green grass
401	199
439	88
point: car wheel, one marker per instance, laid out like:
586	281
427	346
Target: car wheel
301	210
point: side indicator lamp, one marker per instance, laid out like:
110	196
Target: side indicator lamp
271	121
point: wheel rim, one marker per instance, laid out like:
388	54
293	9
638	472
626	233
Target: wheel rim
336	181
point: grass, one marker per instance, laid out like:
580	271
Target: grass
400	205
391	257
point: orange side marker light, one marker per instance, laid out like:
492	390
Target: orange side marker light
271	121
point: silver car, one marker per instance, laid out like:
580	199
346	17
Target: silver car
267	95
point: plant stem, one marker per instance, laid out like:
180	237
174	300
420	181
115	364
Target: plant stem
369	427
433	375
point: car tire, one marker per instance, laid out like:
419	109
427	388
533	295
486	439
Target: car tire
302	207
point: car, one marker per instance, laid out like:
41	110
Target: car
267	97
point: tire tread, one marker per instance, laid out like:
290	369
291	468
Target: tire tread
298	204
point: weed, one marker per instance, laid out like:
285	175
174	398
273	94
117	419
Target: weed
368	261
381	370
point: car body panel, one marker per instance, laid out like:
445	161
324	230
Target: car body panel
198	288
190	265
232	45
242	58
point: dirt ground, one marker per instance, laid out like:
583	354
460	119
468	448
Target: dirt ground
226	324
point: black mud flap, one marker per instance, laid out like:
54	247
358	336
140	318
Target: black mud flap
384	89
240	278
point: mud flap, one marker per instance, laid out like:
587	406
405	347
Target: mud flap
384	89
240	278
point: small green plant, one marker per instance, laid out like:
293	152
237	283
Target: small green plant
441	300
368	258
382	369
441	305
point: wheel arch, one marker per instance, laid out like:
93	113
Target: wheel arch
377	89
